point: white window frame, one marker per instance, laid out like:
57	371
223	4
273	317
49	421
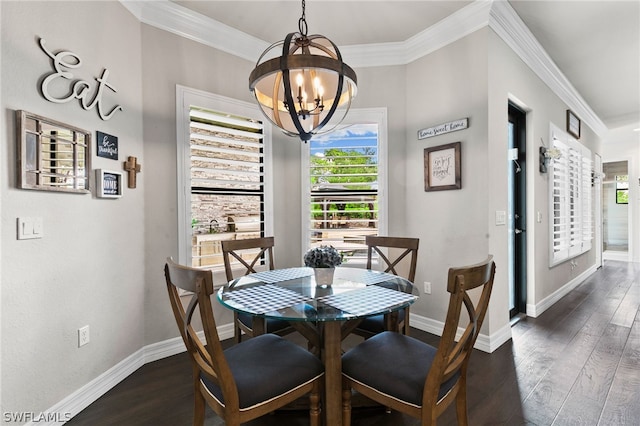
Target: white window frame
185	98
571	175
355	116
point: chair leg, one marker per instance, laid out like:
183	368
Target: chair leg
314	405
405	322
346	403
461	405
237	332
198	406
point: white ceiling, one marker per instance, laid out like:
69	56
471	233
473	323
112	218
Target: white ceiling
595	44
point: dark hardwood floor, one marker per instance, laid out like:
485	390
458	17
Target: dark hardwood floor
576	364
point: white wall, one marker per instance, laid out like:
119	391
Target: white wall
88	268
443	86
169	60
511	79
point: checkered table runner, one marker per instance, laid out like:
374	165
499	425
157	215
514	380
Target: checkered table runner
279	275
369	299
265	298
365	276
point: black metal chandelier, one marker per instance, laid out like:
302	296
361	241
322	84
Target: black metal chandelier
307	90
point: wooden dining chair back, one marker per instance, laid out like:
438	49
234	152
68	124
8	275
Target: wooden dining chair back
247	380
428	379
248	254
395	255
377	245
244	257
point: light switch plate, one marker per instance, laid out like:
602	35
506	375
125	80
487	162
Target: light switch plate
501	217
29	228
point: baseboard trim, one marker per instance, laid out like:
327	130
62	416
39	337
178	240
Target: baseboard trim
89	393
485	343
534	310
621	256
92	391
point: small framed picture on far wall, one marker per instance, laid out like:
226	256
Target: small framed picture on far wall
573	124
442	167
108	184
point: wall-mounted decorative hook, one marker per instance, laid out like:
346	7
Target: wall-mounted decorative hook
543	159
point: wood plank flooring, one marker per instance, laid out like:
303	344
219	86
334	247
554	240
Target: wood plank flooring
576	364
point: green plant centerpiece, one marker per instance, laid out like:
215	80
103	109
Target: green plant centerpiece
323	260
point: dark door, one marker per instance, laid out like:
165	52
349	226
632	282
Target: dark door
517	212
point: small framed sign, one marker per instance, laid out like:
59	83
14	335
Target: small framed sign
442	167
573	124
108	184
107	145
441	129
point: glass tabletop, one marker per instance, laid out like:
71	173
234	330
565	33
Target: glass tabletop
292	294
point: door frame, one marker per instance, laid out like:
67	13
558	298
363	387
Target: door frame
597	187
521	249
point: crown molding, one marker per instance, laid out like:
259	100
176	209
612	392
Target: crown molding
454	27
496	14
509	27
186	23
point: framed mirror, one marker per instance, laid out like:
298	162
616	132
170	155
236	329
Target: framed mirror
53	156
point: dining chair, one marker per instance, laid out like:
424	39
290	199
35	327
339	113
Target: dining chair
384	247
249	379
413	377
249	253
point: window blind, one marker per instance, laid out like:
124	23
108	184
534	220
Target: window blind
227	182
570	186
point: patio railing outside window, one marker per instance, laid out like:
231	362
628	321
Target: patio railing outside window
344	189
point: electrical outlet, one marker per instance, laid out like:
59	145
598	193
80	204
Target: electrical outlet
427	287
83	335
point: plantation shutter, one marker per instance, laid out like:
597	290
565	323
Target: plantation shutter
575	204
560	190
587	200
570	197
227	182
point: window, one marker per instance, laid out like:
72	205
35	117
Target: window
570	198
346	185
622	189
224	179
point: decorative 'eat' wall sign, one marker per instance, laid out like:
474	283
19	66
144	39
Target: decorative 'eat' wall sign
441	129
63	61
107	146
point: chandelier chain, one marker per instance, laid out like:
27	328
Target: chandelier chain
302	22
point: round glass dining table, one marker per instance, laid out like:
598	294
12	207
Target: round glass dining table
322	314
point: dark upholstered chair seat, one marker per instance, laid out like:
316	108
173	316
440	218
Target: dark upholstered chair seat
273	325
248	380
393	364
413	377
375	324
266	366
